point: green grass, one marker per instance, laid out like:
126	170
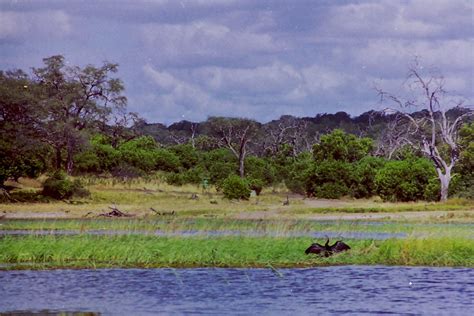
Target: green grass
278	227
85	251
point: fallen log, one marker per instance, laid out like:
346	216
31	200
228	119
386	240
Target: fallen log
115	213
172	213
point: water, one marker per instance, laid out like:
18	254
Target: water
210	233
358	290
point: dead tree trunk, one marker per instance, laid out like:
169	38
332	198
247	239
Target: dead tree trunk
433	130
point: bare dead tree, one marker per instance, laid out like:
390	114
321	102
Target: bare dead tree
394	136
431	130
280	133
182	137
235	134
292	131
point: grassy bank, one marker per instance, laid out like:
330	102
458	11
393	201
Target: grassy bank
275	227
85	251
139	197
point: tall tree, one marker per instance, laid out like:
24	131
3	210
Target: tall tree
20	121
75	99
235	134
432	130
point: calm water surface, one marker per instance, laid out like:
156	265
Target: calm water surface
210	233
316	291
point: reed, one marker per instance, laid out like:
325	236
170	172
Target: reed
280	227
85	251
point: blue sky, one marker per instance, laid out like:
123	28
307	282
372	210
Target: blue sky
248	58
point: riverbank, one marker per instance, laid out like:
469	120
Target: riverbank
156	199
134	251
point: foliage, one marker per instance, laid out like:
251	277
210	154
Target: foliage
256	185
404	180
298	170
234	187
342	167
463	185
58	186
100	157
341	146
260	169
330	179
188	156
75	100
219	164
364	176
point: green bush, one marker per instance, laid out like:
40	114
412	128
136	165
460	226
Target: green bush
166	160
261	169
126	171
298	171
432	190
364	176
99	157
234	187
193	176
404	180
330	179
341	146
331	190
256	185
219	164
188	156
58	186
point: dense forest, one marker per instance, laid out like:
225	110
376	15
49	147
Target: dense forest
70	120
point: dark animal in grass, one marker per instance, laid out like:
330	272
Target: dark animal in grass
327	250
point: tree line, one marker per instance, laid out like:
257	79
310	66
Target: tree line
61	117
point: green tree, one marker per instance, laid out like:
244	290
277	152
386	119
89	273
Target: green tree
364	174
433	131
405	180
464	170
20	127
341	146
74	100
334	172
235	187
235	134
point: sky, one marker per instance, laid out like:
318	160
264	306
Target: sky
259	59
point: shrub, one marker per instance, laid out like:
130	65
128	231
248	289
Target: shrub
99	157
331	190
256	185
234	187
58	186
188	156
330	179
193	176
404	180
341	146
126	171
261	169
219	164
166	160
364	176
298	172
432	190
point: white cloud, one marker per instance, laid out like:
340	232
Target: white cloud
383	19
53	23
203	39
445	54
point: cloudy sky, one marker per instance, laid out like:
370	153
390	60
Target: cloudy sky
250	58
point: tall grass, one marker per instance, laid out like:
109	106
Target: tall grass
283	227
84	251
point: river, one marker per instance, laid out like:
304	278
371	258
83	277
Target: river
358	290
